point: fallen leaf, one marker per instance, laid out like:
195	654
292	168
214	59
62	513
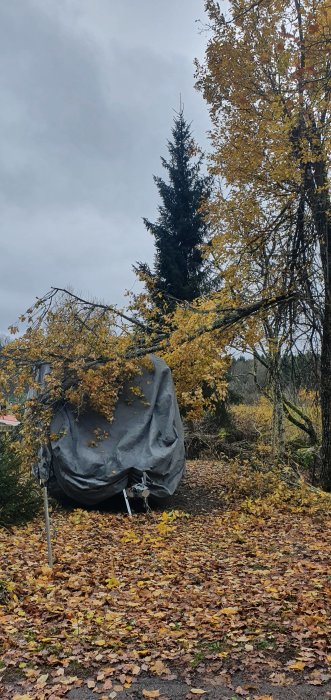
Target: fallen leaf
159	667
151	693
241	691
297	665
198	691
229	611
42	679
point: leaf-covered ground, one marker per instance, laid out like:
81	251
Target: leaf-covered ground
234	577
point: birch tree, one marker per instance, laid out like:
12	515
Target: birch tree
267	80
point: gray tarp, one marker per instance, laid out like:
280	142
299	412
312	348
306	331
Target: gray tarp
146	435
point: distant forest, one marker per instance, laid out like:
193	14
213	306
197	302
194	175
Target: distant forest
249	378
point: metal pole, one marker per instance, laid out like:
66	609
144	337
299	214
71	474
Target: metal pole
48	528
127	502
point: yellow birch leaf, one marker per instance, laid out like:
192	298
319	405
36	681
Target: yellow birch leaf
297	666
229	611
197	691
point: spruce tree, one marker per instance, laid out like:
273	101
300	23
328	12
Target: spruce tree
180	229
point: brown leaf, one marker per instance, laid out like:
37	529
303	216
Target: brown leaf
241	691
159	667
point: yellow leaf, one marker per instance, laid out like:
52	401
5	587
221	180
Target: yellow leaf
297	666
229	611
151	693
112	583
42	679
67	680
197	691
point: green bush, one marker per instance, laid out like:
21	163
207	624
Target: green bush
20	497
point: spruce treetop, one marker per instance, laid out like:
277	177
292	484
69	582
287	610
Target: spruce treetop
180	228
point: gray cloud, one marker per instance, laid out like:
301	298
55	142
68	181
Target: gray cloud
87	89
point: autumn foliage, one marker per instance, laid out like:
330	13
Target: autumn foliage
235	573
266	78
91	350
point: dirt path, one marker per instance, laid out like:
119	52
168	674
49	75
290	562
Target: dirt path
216	687
213	688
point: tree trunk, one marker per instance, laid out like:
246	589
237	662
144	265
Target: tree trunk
319	196
278	428
326	385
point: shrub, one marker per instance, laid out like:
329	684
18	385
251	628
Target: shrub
20	498
242	479
258	488
254	421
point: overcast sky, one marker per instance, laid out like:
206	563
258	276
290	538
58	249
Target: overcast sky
87	92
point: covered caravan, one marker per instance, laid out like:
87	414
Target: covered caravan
90	459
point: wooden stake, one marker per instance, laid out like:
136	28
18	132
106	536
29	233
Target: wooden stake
127	502
48	528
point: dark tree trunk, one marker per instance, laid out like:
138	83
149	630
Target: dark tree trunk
326	398
318	193
278	427
326	362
